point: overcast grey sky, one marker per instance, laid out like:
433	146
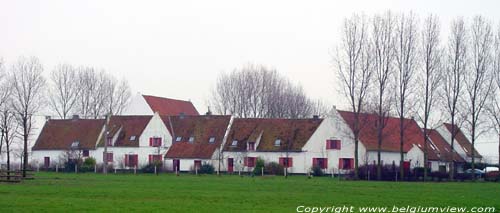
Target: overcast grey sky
177	48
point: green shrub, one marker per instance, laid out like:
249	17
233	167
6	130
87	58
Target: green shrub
88	165
257	170
150	167
206	169
317	171
273	168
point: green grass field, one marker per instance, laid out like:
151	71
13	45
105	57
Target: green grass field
209	193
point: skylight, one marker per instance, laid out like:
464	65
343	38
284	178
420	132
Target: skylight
277	142
132	138
191	139
211	140
234	143
178	139
75	144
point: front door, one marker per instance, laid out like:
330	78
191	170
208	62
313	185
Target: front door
46	162
177	165
230	165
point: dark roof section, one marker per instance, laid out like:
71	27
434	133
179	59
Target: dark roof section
171	107
441	150
295	132
131	125
463	141
391	136
60	134
202	128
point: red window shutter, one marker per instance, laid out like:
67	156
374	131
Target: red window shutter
245	161
282	161
290	162
351	163
315	162
150	141
110	157
136	160
328	145
339	144
126	160
325	164
150	158
159	141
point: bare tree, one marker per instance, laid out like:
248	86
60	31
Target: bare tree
430	76
406	45
256	91
479	78
494	107
5	92
353	66
28	86
453	78
383	53
64	90
118	95
8	127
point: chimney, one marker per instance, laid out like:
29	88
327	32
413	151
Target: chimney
315	117
208	112
182	115
76	117
47	118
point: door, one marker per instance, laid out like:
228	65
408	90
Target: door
176	164
230	165
46	162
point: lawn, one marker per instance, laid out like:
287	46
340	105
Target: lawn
209	193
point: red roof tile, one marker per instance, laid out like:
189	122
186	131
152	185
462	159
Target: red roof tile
463	141
171	107
132	125
294	131
391	132
441	150
60	134
202	128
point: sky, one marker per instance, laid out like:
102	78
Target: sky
177	49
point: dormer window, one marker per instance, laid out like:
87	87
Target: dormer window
178	139
234	143
191	139
277	142
132	138
211	140
109	141
75	144
251	146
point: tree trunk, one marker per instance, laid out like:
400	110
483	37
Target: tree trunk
472	151
499	149
25	134
425	150
452	163
401	137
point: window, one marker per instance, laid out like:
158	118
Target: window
211	140
320	162
178	139
131	160
108	157
155	142
154	159
250	161
277	142
75	144
109	141
46	162
251	146
132	138
197	164
191	139
333	144
234	143
346	163
85	153
286	162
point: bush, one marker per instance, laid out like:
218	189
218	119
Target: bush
150	167
69	166
88	165
273	168
257	170
317	171
206	169
492	176
439	175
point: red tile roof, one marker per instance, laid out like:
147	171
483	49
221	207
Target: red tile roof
202	128
131	125
463	141
441	150
391	137
60	134
171	107
294	131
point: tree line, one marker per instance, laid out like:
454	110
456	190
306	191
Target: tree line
25	93
397	65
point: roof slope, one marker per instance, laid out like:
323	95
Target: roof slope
132	125
441	149
463	141
60	134
390	135
172	107
202	128
295	132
